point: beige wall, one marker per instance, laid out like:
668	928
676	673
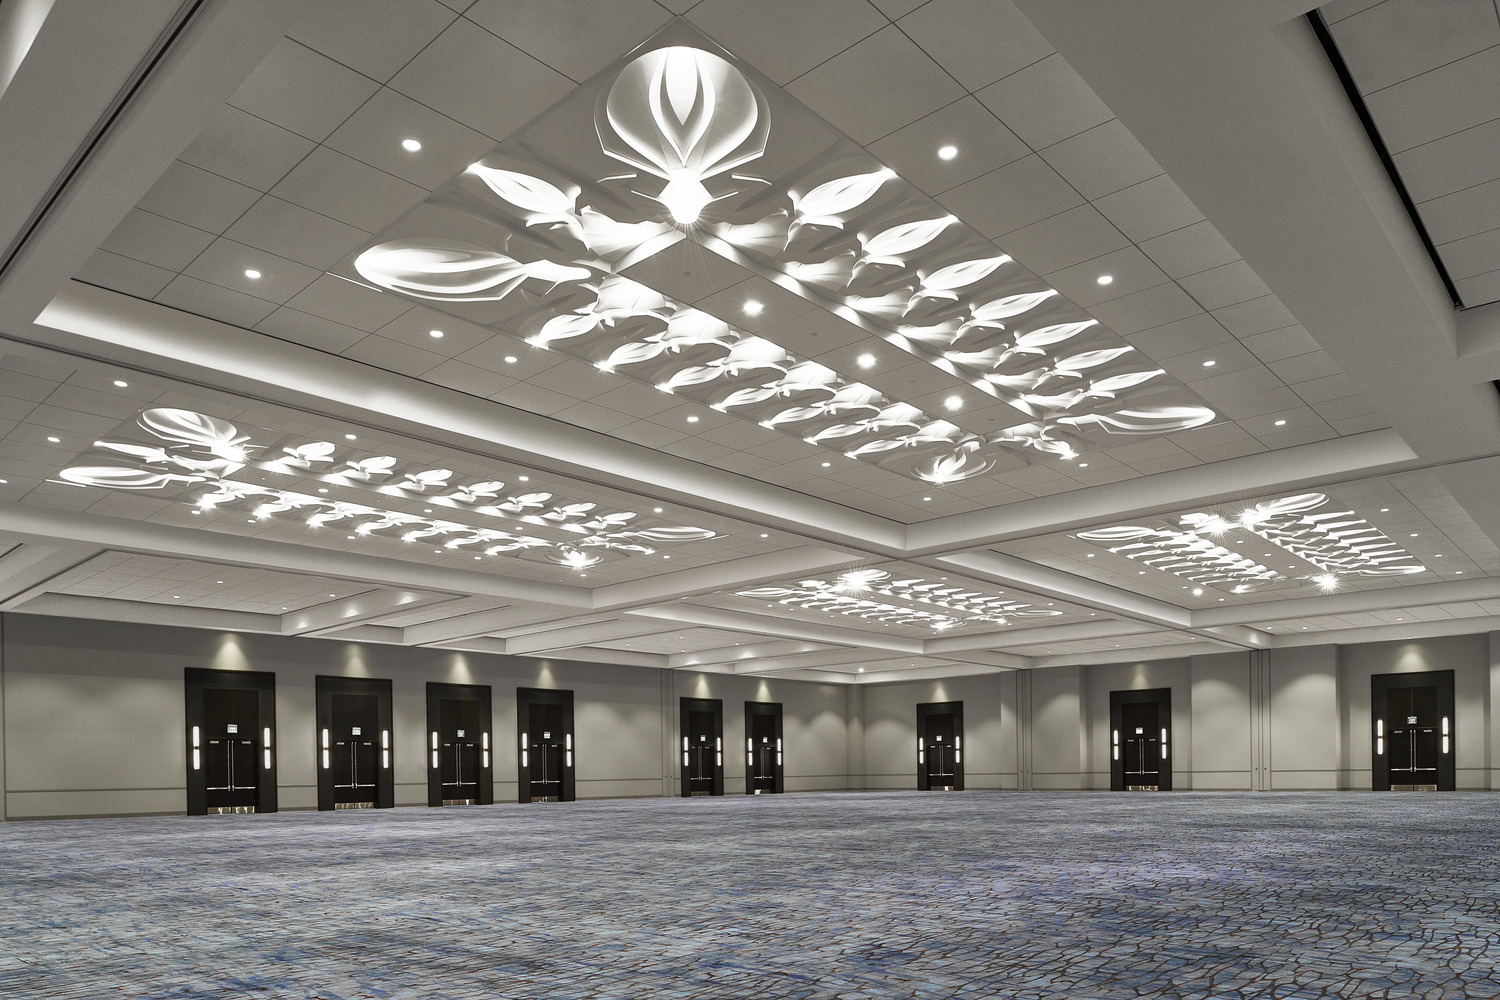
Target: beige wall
91	717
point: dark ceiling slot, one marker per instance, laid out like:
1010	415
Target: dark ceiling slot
1341	68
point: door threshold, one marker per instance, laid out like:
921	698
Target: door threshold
460	802
1414	788
354	805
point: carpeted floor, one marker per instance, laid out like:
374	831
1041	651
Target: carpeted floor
831	895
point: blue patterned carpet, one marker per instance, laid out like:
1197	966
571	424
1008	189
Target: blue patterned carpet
818	896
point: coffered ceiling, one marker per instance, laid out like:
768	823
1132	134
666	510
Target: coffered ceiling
846	341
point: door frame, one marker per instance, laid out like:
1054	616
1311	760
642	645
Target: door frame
1162	697
686	706
525	698
438	692
196	680
772	709
956	708
385	782
1380	763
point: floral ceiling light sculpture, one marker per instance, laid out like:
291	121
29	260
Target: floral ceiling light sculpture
850	594
854	238
1339	543
199	457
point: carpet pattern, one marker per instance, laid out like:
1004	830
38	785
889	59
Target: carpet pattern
843	895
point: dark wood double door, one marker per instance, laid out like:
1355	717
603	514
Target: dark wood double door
701	722
354	744
231	723
459	772
764	772
1413	731
940	746
544	723
1140	740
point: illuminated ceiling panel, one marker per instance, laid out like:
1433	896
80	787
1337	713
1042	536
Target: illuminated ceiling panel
681	147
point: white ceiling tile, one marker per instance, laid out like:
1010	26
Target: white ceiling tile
1064	239
896	9
983	144
1337	10
393	356
1245	319
687	272
243	148
1360	424
1256	404
534	399
1343	407
375	37
198	198
1284	343
1440	102
1101	160
1227	357
1479	289
1150	208
786	38
225	262
467	378
303	91
355	193
1304	367
375	132
133	277
1013	196
1451	163
1224	286
1460	214
978	41
1390	42
1475	255
153	239
1146	309
1045	103
415	327
482	81
1190	250
310	331
1130	271
296	233
911	86
215	302
1323	389
578	38
349	303
1256	378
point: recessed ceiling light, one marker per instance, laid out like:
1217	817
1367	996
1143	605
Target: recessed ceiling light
764	535
1413	534
251	273
479	557
1083	465
827	464
1385	510
55	440
692	419
120	384
410	145
954	403
7	480
1458	572
656	510
322	489
524	479
510	359
947	152
435	334
925	499
1091	555
1209	364
862	669
753	308
348	437
1105	279
865	361
1281	423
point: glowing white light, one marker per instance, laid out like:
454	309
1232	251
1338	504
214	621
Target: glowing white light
410	145
865	361
435	334
1105	279
953	403
947	152
121	385
252	273
197	761
753	308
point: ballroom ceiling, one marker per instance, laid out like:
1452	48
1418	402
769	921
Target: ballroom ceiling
845	341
